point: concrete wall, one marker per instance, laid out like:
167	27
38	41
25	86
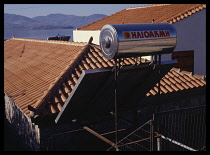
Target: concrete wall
27	131
84	36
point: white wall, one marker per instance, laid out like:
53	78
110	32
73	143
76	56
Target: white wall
191	35
84	36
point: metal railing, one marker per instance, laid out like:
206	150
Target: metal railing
176	130
182	130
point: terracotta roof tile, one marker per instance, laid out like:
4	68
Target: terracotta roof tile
179	86
203	81
164	89
159	12
177	70
53	109
187	73
199	82
177	74
194	83
169	88
177	80
189	84
59	105
167	81
162	82
33	71
48	83
182	78
184	85
153	92
174	87
199	76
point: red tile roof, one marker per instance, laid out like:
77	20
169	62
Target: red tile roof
31	66
145	14
177	80
44	75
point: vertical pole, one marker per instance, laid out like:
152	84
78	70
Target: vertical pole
158	143
159	63
151	133
158	109
115	92
53	138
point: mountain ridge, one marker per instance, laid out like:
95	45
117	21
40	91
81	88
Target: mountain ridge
51	21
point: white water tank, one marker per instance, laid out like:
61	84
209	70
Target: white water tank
131	40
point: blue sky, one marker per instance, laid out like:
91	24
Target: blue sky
33	10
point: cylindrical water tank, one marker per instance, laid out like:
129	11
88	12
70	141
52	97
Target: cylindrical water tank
131	40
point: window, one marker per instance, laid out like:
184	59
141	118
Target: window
185	60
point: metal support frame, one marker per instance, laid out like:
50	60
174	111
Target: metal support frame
117	66
159	72
116	73
157	61
158	106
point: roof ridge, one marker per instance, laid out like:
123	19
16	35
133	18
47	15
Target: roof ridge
178	70
146	6
52	41
203	77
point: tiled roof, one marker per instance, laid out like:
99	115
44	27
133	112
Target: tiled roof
43	73
145	14
90	59
176	80
32	65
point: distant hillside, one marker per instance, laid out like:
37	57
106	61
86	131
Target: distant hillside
12	21
66	20
52	21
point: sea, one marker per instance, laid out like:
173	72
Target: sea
37	34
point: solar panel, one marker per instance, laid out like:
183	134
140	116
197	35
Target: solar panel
93	94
